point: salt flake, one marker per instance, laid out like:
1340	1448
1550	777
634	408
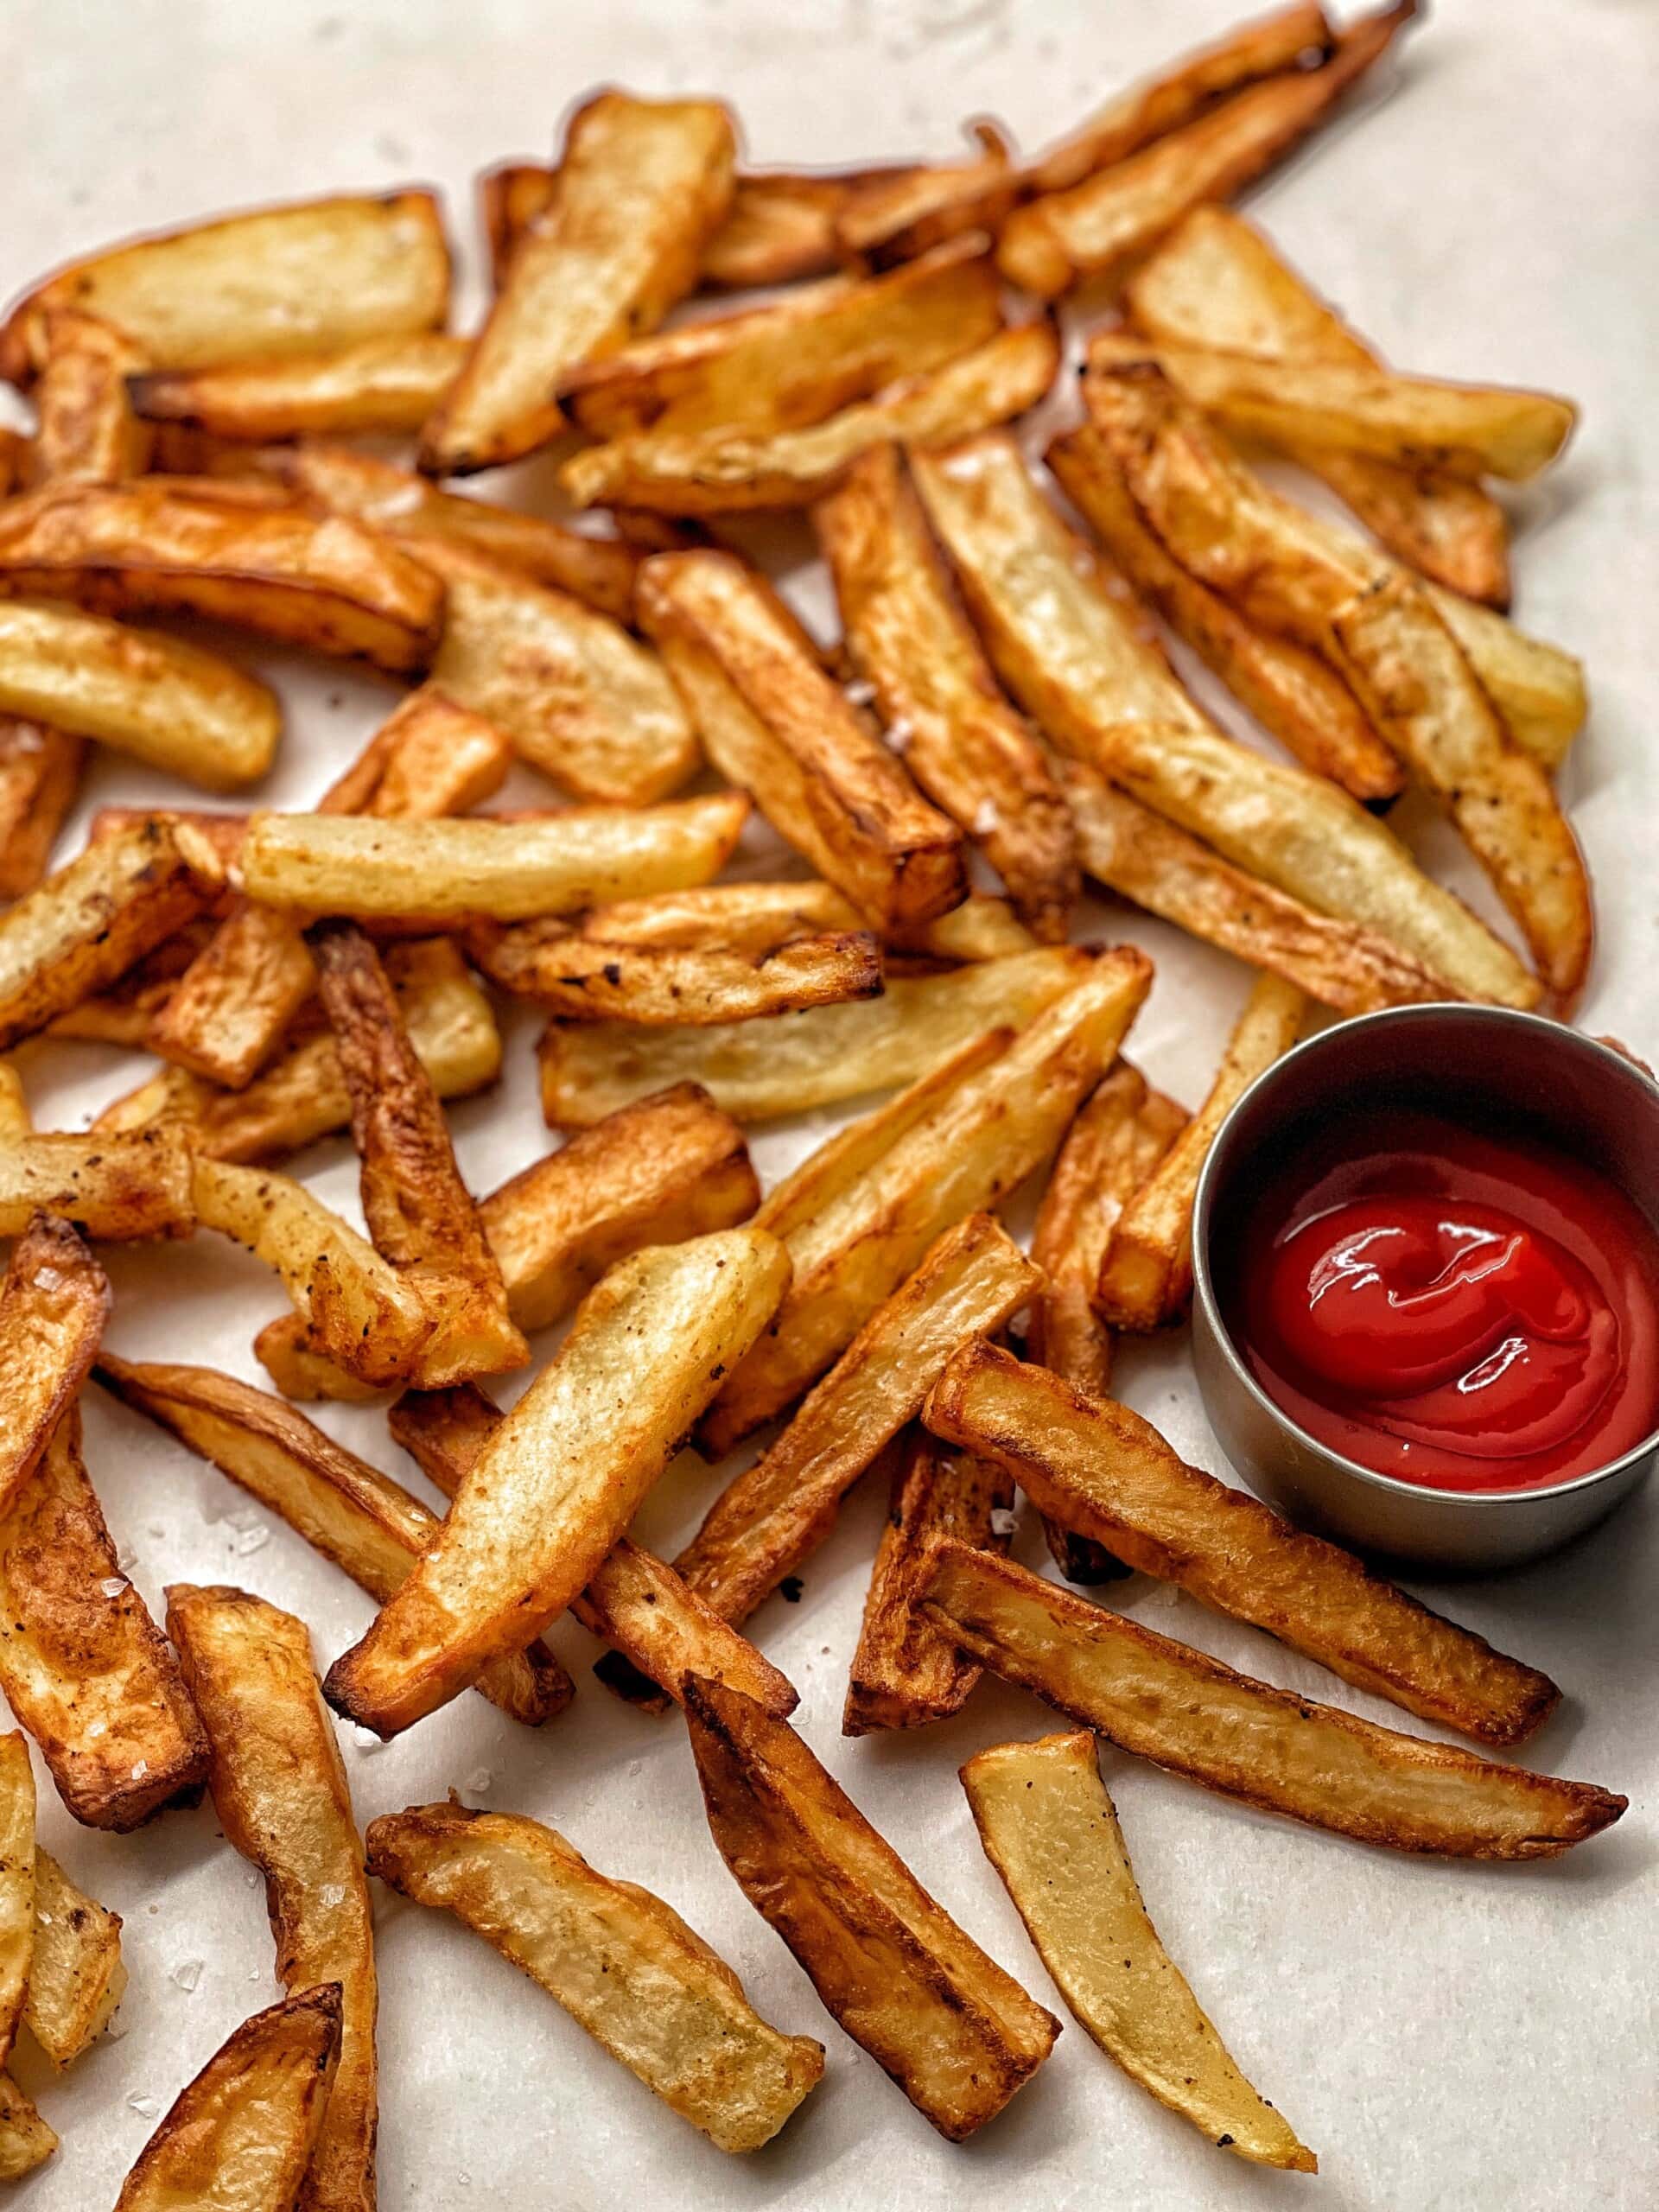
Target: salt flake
187	1974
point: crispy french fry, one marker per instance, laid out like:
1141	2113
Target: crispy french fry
221	832
586	979
279	1789
40	779
86	432
379	384
549	1495
114	1189
1538	689
1164	1701
127	1013
621	1961
958	2035
253	2116
882	1208
76	1975
1074	658
458	871
640	188
1102	1469
25	2140
752	918
1051	1831
889	219
964	744
723	472
14	1104
368	1525
1146	1277
54	1302
1096	229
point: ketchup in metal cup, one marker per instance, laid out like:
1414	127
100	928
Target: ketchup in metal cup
1467	1311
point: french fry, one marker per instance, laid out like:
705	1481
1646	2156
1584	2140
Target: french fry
1538	689
916	210
40	779
26	2141
127	1013
904	1673
1102	1469
379	384
279	1789
1098	228
167	703
253	2117
1074	658
900	1180
367	1525
175	544
1184	1711
76	1974
447	871
621	1961
14	1104
549	1495
86	432
15	448
727	472
1051	1831
966	748
54	1301
759	918
640	188
588	979
114	1189
958	2035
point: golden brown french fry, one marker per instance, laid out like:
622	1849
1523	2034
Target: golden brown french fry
177	544
962	741
723	472
621	1961
904	1673
279	1789
774	1515
126	1014
1102	1469
1185	1712
641	186
76	1975
26	2141
379	384
86	432
14	1120
114	1189
1146	1277
1096	229
40	779
1051	1831
368	1525
549	1495
1075	659
54	1300
753	917
585	979
254	2115
1538	689
958	2035
890	218
1289	691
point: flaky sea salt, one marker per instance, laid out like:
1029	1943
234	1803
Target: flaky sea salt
187	1974
859	692
140	1768
479	1780
985	818
146	2108
253	1539
1002	1521
113	1584
332	1894
900	732
47	1279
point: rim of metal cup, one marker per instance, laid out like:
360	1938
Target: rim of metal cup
1553	1036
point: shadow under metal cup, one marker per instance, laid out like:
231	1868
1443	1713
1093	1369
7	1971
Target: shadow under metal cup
1490	1070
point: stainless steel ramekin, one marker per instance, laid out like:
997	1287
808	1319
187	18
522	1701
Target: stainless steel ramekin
1476	1063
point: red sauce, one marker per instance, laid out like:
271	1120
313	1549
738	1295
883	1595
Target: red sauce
1469	1312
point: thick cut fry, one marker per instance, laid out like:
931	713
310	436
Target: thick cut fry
175	544
964	744
14	1104
76	1976
904	1674
382	385
1051	1831
1076	660
621	1961
958	2035
1099	228
889	219
506	871
39	780
1288	690
965	1153
53	1303
1538	689
368	1525
723	472
585	979
563	1476
86	432
1187	1712
280	1792
126	1014
25	2140
243	2135
640	188
114	1189
1103	1469
774	724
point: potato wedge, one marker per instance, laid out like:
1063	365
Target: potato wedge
1146	1277
1074	658
584	979
621	1961
772	1517
551	1493
970	753
1102	1469
14	1104
728	472
54	1301
279	1789
968	1150
379	384
1051	1831
40	781
86	432
114	1189
253	2116
510	872
76	1975
641	186
916	210
1538	689
1186	1713
26	2141
958	2035
368	1525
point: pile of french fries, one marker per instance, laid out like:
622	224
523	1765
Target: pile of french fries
1001	704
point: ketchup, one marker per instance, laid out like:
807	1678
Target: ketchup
1464	1311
